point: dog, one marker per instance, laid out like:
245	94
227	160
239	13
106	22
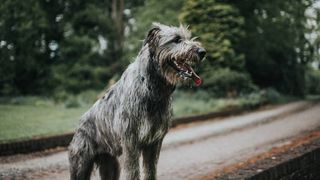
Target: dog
134	114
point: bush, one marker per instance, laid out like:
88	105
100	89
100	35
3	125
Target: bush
187	103
27	100
226	82
272	96
72	102
84	99
313	81
252	100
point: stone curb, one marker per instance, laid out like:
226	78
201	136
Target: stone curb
306	166
36	144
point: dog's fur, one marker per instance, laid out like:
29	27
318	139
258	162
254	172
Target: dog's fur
133	115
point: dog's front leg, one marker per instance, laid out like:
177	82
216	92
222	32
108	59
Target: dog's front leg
130	162
150	160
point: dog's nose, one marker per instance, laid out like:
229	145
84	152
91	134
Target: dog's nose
201	53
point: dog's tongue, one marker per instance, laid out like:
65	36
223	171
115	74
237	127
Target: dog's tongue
196	79
194	76
187	69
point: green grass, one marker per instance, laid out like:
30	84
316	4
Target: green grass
27	117
26	121
186	104
200	102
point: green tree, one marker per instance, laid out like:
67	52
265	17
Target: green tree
57	45
219	27
24	65
276	48
141	18
82	58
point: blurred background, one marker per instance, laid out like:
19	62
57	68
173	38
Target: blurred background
58	56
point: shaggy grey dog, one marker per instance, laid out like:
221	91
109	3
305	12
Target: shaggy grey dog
133	116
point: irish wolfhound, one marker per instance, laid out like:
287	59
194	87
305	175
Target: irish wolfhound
133	115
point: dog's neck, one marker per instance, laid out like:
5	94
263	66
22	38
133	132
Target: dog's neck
152	73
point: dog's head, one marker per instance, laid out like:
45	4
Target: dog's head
175	52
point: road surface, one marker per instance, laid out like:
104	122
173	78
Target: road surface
191	151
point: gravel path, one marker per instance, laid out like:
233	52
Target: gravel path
272	163
194	150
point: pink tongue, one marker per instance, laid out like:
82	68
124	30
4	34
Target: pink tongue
194	76
196	79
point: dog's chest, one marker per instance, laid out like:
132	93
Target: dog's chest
148	104
155	122
151	131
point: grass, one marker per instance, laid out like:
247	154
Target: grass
27	117
186	104
26	121
200	102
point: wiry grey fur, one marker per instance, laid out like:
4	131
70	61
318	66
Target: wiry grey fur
133	115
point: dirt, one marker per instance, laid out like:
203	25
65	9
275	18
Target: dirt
266	160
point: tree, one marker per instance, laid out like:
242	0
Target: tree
23	61
83	59
219	27
276	48
60	45
141	18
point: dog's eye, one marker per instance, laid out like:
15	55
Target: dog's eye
177	39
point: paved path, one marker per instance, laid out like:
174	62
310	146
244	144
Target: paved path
197	149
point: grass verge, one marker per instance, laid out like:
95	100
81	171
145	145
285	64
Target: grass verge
28	117
26	121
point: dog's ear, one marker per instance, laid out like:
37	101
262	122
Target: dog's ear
152	39
151	36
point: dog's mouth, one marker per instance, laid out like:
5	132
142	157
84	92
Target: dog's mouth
184	70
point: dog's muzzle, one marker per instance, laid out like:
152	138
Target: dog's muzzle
184	66
185	71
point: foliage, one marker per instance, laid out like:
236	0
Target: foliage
27	100
186	103
313	81
276	47
57	48
165	12
22	51
272	96
219	27
48	46
225	82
